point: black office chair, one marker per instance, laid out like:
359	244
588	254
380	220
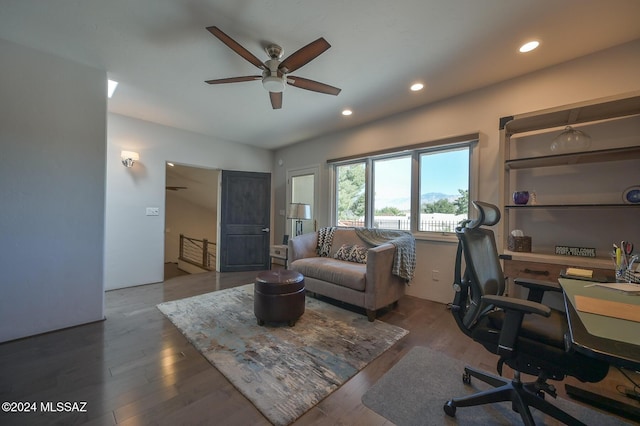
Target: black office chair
528	336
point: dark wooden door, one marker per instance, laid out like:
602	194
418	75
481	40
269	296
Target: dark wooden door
245	205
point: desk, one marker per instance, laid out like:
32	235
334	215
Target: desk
613	340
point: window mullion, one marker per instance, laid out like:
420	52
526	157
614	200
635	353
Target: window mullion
415	191
368	216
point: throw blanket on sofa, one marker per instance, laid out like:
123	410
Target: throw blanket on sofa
325	237
404	263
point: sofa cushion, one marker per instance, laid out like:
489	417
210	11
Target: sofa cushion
352	253
346	236
346	274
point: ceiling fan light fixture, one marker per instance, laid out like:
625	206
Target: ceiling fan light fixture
273	83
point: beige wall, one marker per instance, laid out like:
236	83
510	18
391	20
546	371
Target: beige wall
606	73
189	219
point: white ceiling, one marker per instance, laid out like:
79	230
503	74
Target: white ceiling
161	53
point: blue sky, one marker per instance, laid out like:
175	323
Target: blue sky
444	172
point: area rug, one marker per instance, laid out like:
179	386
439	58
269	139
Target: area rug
284	371
414	391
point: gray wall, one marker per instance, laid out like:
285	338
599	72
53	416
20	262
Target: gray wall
52	192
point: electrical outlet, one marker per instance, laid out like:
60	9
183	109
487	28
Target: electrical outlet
435	275
153	211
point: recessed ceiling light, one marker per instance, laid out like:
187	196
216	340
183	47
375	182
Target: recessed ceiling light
416	87
111	87
347	112
529	46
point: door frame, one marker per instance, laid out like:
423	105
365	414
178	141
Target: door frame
303	171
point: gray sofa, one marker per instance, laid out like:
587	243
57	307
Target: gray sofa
369	285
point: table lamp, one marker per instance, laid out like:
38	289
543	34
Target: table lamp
299	212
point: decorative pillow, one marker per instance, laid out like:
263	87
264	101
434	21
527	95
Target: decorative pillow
355	253
358	254
343	252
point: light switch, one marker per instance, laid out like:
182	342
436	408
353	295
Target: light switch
153	211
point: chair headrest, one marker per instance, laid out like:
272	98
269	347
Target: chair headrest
488	215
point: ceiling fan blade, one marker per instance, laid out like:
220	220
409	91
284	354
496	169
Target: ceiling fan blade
276	99
236	47
305	83
234	79
304	55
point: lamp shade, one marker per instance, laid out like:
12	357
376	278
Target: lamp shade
130	154
299	211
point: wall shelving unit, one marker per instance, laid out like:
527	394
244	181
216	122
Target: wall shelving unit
579	194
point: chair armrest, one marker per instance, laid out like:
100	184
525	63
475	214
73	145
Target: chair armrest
537	288
542	285
525	306
515	309
302	246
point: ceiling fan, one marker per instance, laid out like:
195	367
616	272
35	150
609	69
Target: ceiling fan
275	72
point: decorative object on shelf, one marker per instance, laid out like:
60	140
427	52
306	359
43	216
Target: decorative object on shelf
576	251
534	198
571	140
517	241
631	195
521	197
300	212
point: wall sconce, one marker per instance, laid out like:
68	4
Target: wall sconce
129	157
299	212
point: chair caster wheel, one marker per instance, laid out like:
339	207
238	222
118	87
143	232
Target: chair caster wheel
466	378
450	409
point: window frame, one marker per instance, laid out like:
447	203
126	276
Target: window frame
414	152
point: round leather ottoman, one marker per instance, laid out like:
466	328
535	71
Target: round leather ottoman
278	296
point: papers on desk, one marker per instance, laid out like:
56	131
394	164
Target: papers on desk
608	308
626	288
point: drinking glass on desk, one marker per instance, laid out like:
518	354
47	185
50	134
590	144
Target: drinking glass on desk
619	264
620	270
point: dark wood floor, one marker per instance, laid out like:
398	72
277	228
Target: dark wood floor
136	368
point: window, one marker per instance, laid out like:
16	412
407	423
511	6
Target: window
350	194
444	189
392	193
424	189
